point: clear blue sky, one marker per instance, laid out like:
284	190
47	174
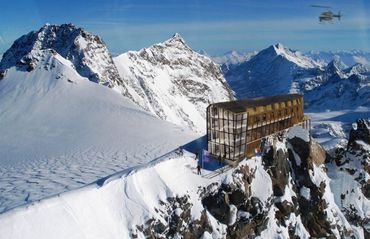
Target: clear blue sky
215	26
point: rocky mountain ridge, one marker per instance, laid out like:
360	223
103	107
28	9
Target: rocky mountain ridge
295	190
174	82
87	52
273	71
279	70
168	79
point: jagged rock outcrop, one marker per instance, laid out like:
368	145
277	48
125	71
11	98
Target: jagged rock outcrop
360	131
233	205
301	195
174	82
353	168
176	213
87	52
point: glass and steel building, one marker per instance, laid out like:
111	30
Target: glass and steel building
235	128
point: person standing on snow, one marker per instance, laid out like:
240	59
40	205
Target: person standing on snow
199	170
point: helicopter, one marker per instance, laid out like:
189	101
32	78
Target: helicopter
328	15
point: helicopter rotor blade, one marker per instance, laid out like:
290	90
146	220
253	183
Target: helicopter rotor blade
319	6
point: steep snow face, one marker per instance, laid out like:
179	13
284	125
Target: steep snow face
87	52
274	70
60	131
172	81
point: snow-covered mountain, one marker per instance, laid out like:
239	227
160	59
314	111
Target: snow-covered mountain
274	70
349	58
87	52
168	79
295	190
345	89
233	58
174	82
278	70
60	131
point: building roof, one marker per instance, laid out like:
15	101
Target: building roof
238	106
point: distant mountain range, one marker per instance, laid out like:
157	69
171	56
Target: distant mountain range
175	83
349	58
280	70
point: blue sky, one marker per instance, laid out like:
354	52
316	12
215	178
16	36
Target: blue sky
214	26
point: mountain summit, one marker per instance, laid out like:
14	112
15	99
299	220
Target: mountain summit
174	82
87	52
270	72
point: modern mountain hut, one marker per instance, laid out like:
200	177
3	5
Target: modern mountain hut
235	128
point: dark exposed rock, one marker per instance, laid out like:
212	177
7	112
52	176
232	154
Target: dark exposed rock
198	227
2	74
366	189
237	197
310	153
360	131
285	207
278	169
177	213
218	205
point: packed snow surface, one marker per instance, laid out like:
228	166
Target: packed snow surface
111	210
59	131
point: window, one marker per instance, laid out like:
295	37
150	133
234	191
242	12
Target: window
214	111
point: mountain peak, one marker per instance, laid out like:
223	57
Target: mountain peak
86	51
177	40
279	46
176	36
337	64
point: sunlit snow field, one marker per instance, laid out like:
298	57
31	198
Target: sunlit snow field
331	128
91	133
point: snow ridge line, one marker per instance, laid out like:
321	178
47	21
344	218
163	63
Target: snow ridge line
126	172
98	183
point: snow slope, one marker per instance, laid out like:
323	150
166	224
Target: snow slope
167	199
174	82
60	131
111	210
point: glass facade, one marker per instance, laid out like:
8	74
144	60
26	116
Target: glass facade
234	135
226	133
